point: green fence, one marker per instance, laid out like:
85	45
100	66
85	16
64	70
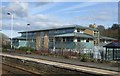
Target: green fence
70	45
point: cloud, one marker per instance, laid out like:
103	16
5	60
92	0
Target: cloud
37	21
16	25
19	10
101	17
82	5
62	0
38	17
43	21
104	17
42	7
21	17
78	6
37	4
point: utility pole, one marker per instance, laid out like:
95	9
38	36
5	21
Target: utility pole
27	35
12	17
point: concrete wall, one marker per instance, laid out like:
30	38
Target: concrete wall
46	40
38	40
90	32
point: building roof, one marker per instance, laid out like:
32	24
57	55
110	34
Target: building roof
107	38
60	27
22	38
82	35
65	35
95	29
113	45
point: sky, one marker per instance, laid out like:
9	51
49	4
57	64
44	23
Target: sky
54	14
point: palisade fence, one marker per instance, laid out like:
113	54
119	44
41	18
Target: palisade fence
77	48
70	48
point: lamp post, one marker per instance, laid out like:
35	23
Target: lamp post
27	35
10	14
54	44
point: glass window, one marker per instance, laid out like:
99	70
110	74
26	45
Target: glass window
41	33
34	34
69	39
58	39
87	40
23	34
60	31
51	39
78	30
64	39
78	40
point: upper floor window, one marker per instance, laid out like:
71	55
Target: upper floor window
41	33
58	39
23	34
69	39
80	30
60	31
31	34
64	39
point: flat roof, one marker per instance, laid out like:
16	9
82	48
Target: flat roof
107	38
82	35
22	38
113	45
60	27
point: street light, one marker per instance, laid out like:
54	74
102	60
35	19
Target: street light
54	44
27	34
10	14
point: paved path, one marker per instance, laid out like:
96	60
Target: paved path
63	65
72	61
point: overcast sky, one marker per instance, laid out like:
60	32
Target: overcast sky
53	14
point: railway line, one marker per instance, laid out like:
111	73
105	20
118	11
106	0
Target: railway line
52	65
8	70
11	69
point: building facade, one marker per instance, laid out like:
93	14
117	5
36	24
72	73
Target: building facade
74	37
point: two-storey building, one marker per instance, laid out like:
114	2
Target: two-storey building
73	37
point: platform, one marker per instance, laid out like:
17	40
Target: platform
64	65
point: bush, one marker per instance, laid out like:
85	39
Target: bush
4	50
65	56
93	60
85	57
6	46
105	61
26	49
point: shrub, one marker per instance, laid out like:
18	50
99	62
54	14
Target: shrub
4	50
65	56
26	49
6	46
85	57
93	60
105	61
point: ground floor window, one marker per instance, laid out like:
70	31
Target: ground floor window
78	40
51	39
87	40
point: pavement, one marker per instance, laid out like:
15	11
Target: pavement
71	61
